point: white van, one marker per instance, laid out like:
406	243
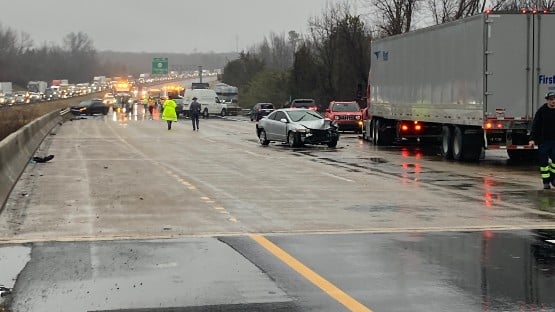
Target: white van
209	102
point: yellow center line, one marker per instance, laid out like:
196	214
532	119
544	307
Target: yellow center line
320	282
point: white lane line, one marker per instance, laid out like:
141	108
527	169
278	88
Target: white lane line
337	177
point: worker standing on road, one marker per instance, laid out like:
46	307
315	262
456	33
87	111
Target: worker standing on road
195	108
151	107
145	105
543	134
168	113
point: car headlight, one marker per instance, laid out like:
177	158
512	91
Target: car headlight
336	117
302	130
357	117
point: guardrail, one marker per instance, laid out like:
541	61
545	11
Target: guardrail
18	147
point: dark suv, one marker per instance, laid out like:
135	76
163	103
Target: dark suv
260	110
304	103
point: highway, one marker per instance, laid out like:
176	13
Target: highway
129	216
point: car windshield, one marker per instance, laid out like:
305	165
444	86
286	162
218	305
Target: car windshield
267	106
304	115
345	107
85	103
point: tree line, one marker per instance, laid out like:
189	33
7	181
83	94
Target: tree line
332	61
77	60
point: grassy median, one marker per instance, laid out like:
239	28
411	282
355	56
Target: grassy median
16	116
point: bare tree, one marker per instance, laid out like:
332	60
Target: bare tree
394	16
293	39
275	51
334	59
443	11
81	55
78	42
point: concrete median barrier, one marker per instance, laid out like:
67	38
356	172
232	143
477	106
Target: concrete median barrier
17	149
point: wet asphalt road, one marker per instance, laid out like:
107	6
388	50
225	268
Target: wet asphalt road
131	217
472	271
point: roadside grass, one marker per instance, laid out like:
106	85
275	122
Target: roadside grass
16	116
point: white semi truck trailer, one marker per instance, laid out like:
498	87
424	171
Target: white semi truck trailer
470	84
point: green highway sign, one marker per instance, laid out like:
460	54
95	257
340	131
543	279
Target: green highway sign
160	66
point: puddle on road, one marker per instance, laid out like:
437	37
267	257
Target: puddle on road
485	190
499	267
12	261
543	200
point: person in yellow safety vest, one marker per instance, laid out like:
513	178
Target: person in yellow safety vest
145	105
169	114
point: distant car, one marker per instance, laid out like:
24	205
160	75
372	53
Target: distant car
297	126
304	103
260	110
51	94
347	115
109	99
9	99
35	96
21	98
90	107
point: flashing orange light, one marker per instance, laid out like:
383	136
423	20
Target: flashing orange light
404	127
417	127
489	125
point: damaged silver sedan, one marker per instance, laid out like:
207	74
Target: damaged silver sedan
297	127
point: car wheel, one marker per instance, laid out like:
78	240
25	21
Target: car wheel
205	113
332	143
262	138
105	112
223	112
292	139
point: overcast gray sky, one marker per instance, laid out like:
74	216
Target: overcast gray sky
181	26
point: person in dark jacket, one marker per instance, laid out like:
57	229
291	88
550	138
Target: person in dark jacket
543	135
195	113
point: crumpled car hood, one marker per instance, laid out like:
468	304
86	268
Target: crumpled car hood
321	124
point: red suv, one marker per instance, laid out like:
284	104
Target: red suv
347	115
